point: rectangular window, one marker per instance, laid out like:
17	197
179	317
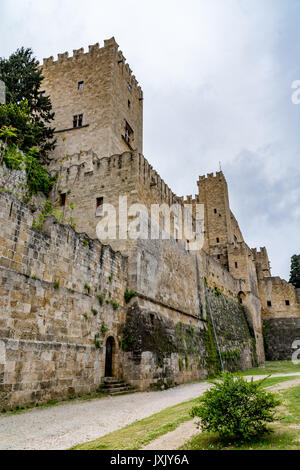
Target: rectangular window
77	120
62	199
219	256
236	265
99	207
287	302
80	85
129	134
215	211
218	240
129	104
269	303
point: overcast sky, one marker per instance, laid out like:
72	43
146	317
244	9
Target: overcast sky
216	76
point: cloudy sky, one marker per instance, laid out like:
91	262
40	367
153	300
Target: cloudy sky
217	78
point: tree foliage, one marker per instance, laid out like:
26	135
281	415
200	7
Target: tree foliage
236	408
27	108
295	271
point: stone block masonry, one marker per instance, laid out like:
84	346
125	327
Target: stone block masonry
62	298
280	334
98	86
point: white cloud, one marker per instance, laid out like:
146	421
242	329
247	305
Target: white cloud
217	80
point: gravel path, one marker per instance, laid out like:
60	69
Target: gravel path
63	426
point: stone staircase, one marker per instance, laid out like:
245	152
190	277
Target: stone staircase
114	386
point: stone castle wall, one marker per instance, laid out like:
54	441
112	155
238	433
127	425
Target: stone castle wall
282	338
50	312
62	296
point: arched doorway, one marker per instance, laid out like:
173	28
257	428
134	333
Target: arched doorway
241	297
109	357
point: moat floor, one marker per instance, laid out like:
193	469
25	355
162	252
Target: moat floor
63	426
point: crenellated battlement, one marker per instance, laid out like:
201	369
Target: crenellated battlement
212	176
93	52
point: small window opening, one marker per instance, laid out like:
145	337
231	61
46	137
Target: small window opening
235	264
218	240
80	85
269	303
129	86
215	211
11	208
287	302
219	256
99	207
129	104
62	199
129	134
77	120
152	317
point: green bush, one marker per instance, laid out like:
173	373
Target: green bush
235	408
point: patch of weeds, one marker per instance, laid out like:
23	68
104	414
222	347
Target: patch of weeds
87	288
104	328
129	295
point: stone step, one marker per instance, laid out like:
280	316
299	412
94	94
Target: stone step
123	392
114	386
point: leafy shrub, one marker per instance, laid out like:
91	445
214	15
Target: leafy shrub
236	408
38	177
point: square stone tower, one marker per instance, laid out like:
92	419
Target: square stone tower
97	102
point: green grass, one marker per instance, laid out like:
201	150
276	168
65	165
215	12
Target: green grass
274	367
140	433
284	436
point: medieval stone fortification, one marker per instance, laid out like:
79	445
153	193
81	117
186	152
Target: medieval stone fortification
74	309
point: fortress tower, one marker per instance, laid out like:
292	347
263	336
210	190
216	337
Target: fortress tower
97	102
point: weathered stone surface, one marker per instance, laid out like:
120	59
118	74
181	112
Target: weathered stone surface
280	335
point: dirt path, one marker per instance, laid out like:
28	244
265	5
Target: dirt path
175	439
65	425
284	385
61	427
